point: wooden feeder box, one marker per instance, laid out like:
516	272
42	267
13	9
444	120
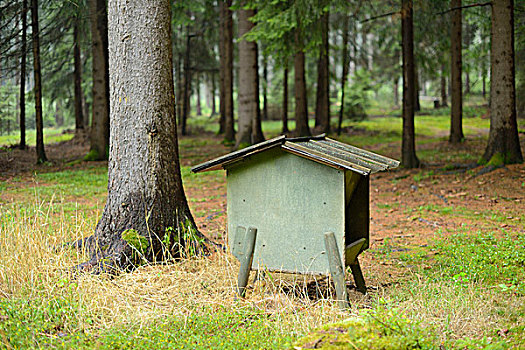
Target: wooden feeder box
299	205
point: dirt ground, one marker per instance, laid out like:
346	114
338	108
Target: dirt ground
408	208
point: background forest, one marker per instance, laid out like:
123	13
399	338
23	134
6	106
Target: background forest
438	84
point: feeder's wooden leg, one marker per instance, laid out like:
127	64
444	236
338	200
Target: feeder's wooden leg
336	269
358	276
246	260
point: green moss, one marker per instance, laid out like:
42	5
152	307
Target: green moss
91	156
139	244
382	329
497	160
243	145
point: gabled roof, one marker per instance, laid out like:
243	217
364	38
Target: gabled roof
319	148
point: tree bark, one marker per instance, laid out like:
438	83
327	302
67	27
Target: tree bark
146	216
265	89
408	149
229	125
187	85
322	107
247	81
285	129
344	75
23	57
40	152
443	83
503	145
301	105
257	134
222	67
212	95
417	105
77	74
396	91
100	108
456	110
198	107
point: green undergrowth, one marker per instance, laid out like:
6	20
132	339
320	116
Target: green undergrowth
65	324
381	328
51	135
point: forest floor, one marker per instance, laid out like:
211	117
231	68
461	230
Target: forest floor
446	263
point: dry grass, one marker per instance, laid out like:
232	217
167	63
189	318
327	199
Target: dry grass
31	268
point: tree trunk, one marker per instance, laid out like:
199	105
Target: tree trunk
456	110
146	217
503	144
180	89
77	74
59	117
187	85
229	133
344	75
285	129
229	125
396	91
247	78
417	105
265	88
322	107
301	105
212	95
443	83
198	107
222	66
23	56
100	108
257	134
408	149
40	152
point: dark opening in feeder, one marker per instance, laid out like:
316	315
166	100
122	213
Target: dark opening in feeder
307	198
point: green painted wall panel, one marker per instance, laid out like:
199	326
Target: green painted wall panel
292	202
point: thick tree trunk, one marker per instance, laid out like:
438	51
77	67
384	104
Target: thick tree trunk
285	129
301	105
77	73
100	108
146	217
322	107
247	81
229	124
456	109
503	144
40	152
443	86
344	75
23	57
408	149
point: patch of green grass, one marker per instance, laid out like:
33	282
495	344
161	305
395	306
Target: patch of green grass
63	324
484	257
51	135
382	328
